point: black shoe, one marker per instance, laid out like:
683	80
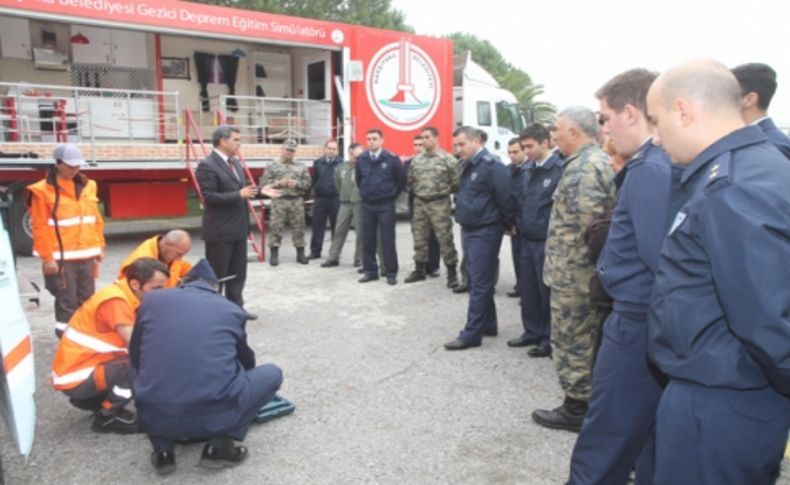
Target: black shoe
569	416
452	277
122	422
523	341
274	258
490	333
513	294
222	453
314	256
459	344
392	281
250	317
329	263
539	352
361	271
93	404
300	256
417	275
164	461
382	273
357	264
461	288
368	278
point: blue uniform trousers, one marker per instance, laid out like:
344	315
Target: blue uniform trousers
710	435
535	310
515	253
379	216
481	246
617	432
323	208
263	383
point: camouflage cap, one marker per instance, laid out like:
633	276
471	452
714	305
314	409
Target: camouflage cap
290	144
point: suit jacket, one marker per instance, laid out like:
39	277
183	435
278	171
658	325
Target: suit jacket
225	214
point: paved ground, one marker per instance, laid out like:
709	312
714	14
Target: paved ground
378	398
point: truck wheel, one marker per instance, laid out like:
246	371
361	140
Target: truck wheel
22	230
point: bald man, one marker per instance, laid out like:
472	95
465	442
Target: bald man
719	322
170	249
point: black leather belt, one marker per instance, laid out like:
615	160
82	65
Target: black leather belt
290	197
433	198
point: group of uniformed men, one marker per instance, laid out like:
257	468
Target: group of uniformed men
657	285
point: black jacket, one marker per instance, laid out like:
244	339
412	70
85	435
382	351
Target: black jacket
225	214
324	177
380	180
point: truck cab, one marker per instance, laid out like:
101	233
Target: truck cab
480	102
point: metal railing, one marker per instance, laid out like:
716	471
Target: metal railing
49	113
274	120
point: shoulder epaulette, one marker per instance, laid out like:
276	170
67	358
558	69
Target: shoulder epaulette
719	168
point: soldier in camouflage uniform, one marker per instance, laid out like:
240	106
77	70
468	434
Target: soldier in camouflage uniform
433	177
293	180
583	194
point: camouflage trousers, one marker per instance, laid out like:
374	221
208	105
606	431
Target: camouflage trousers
574	334
285	212
436	215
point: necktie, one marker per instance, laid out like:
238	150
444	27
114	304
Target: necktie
233	169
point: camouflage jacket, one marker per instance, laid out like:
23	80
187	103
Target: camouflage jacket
584	193
433	175
290	170
346	183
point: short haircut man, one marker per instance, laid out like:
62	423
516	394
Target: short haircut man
758	85
223	132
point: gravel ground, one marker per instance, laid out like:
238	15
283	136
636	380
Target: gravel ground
378	400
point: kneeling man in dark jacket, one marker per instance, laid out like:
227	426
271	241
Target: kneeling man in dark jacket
195	376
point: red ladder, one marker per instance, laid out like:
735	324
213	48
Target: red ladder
193	157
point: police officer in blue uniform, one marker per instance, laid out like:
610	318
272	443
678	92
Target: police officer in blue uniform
719	322
484	208
195	376
617	432
518	163
326	200
758	85
380	178
535	199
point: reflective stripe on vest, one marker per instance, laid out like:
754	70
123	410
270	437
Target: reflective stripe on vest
76	254
92	343
73	221
72	377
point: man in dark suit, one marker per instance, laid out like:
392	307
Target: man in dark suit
380	178
326	200
226	217
758	85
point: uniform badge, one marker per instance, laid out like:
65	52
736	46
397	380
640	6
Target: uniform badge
383	165
474	176
678	221
714	172
546	183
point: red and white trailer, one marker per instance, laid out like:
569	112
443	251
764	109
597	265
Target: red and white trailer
135	83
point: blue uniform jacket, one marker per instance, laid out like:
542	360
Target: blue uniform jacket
485	194
189	352
720	313
324	177
775	136
535	197
627	264
380	180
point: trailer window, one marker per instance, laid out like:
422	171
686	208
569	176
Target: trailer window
483	113
508	116
316	80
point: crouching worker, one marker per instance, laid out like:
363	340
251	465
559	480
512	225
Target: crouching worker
91	363
195	376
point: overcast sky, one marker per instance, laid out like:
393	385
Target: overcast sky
572	47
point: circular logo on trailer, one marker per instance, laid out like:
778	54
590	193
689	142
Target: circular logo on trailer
403	86
337	36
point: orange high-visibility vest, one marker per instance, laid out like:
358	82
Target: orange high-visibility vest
79	221
82	346
150	249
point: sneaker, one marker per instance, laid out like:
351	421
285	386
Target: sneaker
222	453
122	422
164	461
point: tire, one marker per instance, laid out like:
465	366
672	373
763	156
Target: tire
22	229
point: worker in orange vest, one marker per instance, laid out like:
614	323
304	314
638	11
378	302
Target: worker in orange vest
68	232
170	249
91	363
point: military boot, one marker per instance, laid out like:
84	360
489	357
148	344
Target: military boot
273	256
417	275
569	416
300	257
452	276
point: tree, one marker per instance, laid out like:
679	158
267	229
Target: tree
508	76
372	13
